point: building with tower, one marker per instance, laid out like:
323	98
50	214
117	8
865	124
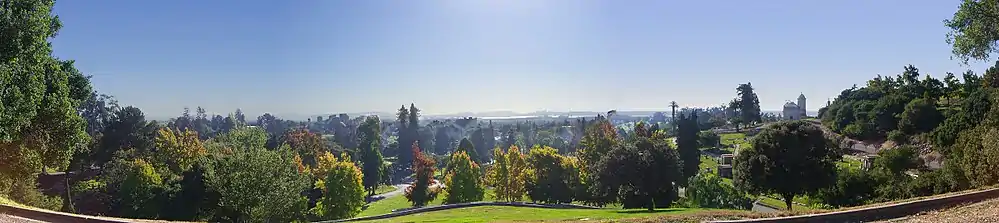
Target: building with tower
795	111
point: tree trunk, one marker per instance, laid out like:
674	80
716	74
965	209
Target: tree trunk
788	199
652	203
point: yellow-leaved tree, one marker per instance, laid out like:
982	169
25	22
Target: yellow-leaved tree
508	174
343	189
178	149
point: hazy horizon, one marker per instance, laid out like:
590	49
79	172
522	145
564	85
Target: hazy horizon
320	57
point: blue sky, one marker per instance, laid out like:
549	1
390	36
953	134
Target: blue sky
317	57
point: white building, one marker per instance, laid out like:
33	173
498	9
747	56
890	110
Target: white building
795	111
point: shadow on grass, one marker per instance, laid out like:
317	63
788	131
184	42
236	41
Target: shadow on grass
645	211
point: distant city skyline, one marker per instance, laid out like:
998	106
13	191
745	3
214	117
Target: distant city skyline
322	57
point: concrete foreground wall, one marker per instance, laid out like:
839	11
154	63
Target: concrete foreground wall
883	212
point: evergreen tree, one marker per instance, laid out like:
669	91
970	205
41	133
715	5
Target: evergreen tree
369	134
404	139
467	147
687	146
749	104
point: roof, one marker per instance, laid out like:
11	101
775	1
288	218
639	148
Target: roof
802	96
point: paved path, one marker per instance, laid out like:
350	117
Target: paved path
16	219
757	207
399	189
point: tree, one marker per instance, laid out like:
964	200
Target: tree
597	142
788	159
920	115
853	187
672	118
973	34
549	179
306	144
129	131
343	190
462	180
687	147
709	191
749	104
136	188
421	192
39	124
508	174
708	138
643	173
977	152
369	134
256	184
442	142
466	146
412	132
953	86
405	138
178	150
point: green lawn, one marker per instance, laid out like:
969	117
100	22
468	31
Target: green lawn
386	205
503	213
850	162
780	204
732	139
708	162
384	189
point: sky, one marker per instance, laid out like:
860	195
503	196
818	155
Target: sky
447	56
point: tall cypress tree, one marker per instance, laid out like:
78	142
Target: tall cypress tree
686	143
413	133
403	149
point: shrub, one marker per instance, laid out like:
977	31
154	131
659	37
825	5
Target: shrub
853	187
898	137
707	190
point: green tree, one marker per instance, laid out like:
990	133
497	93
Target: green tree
709	191
412	132
462	180
708	138
641	173
687	147
973	33
256	184
853	187
508	174
788	159
749	104
137	187
370	138
343	190
39	124
598	140
889	171
920	115
178	150
422	192
466	146
978	153
405	138
549	179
